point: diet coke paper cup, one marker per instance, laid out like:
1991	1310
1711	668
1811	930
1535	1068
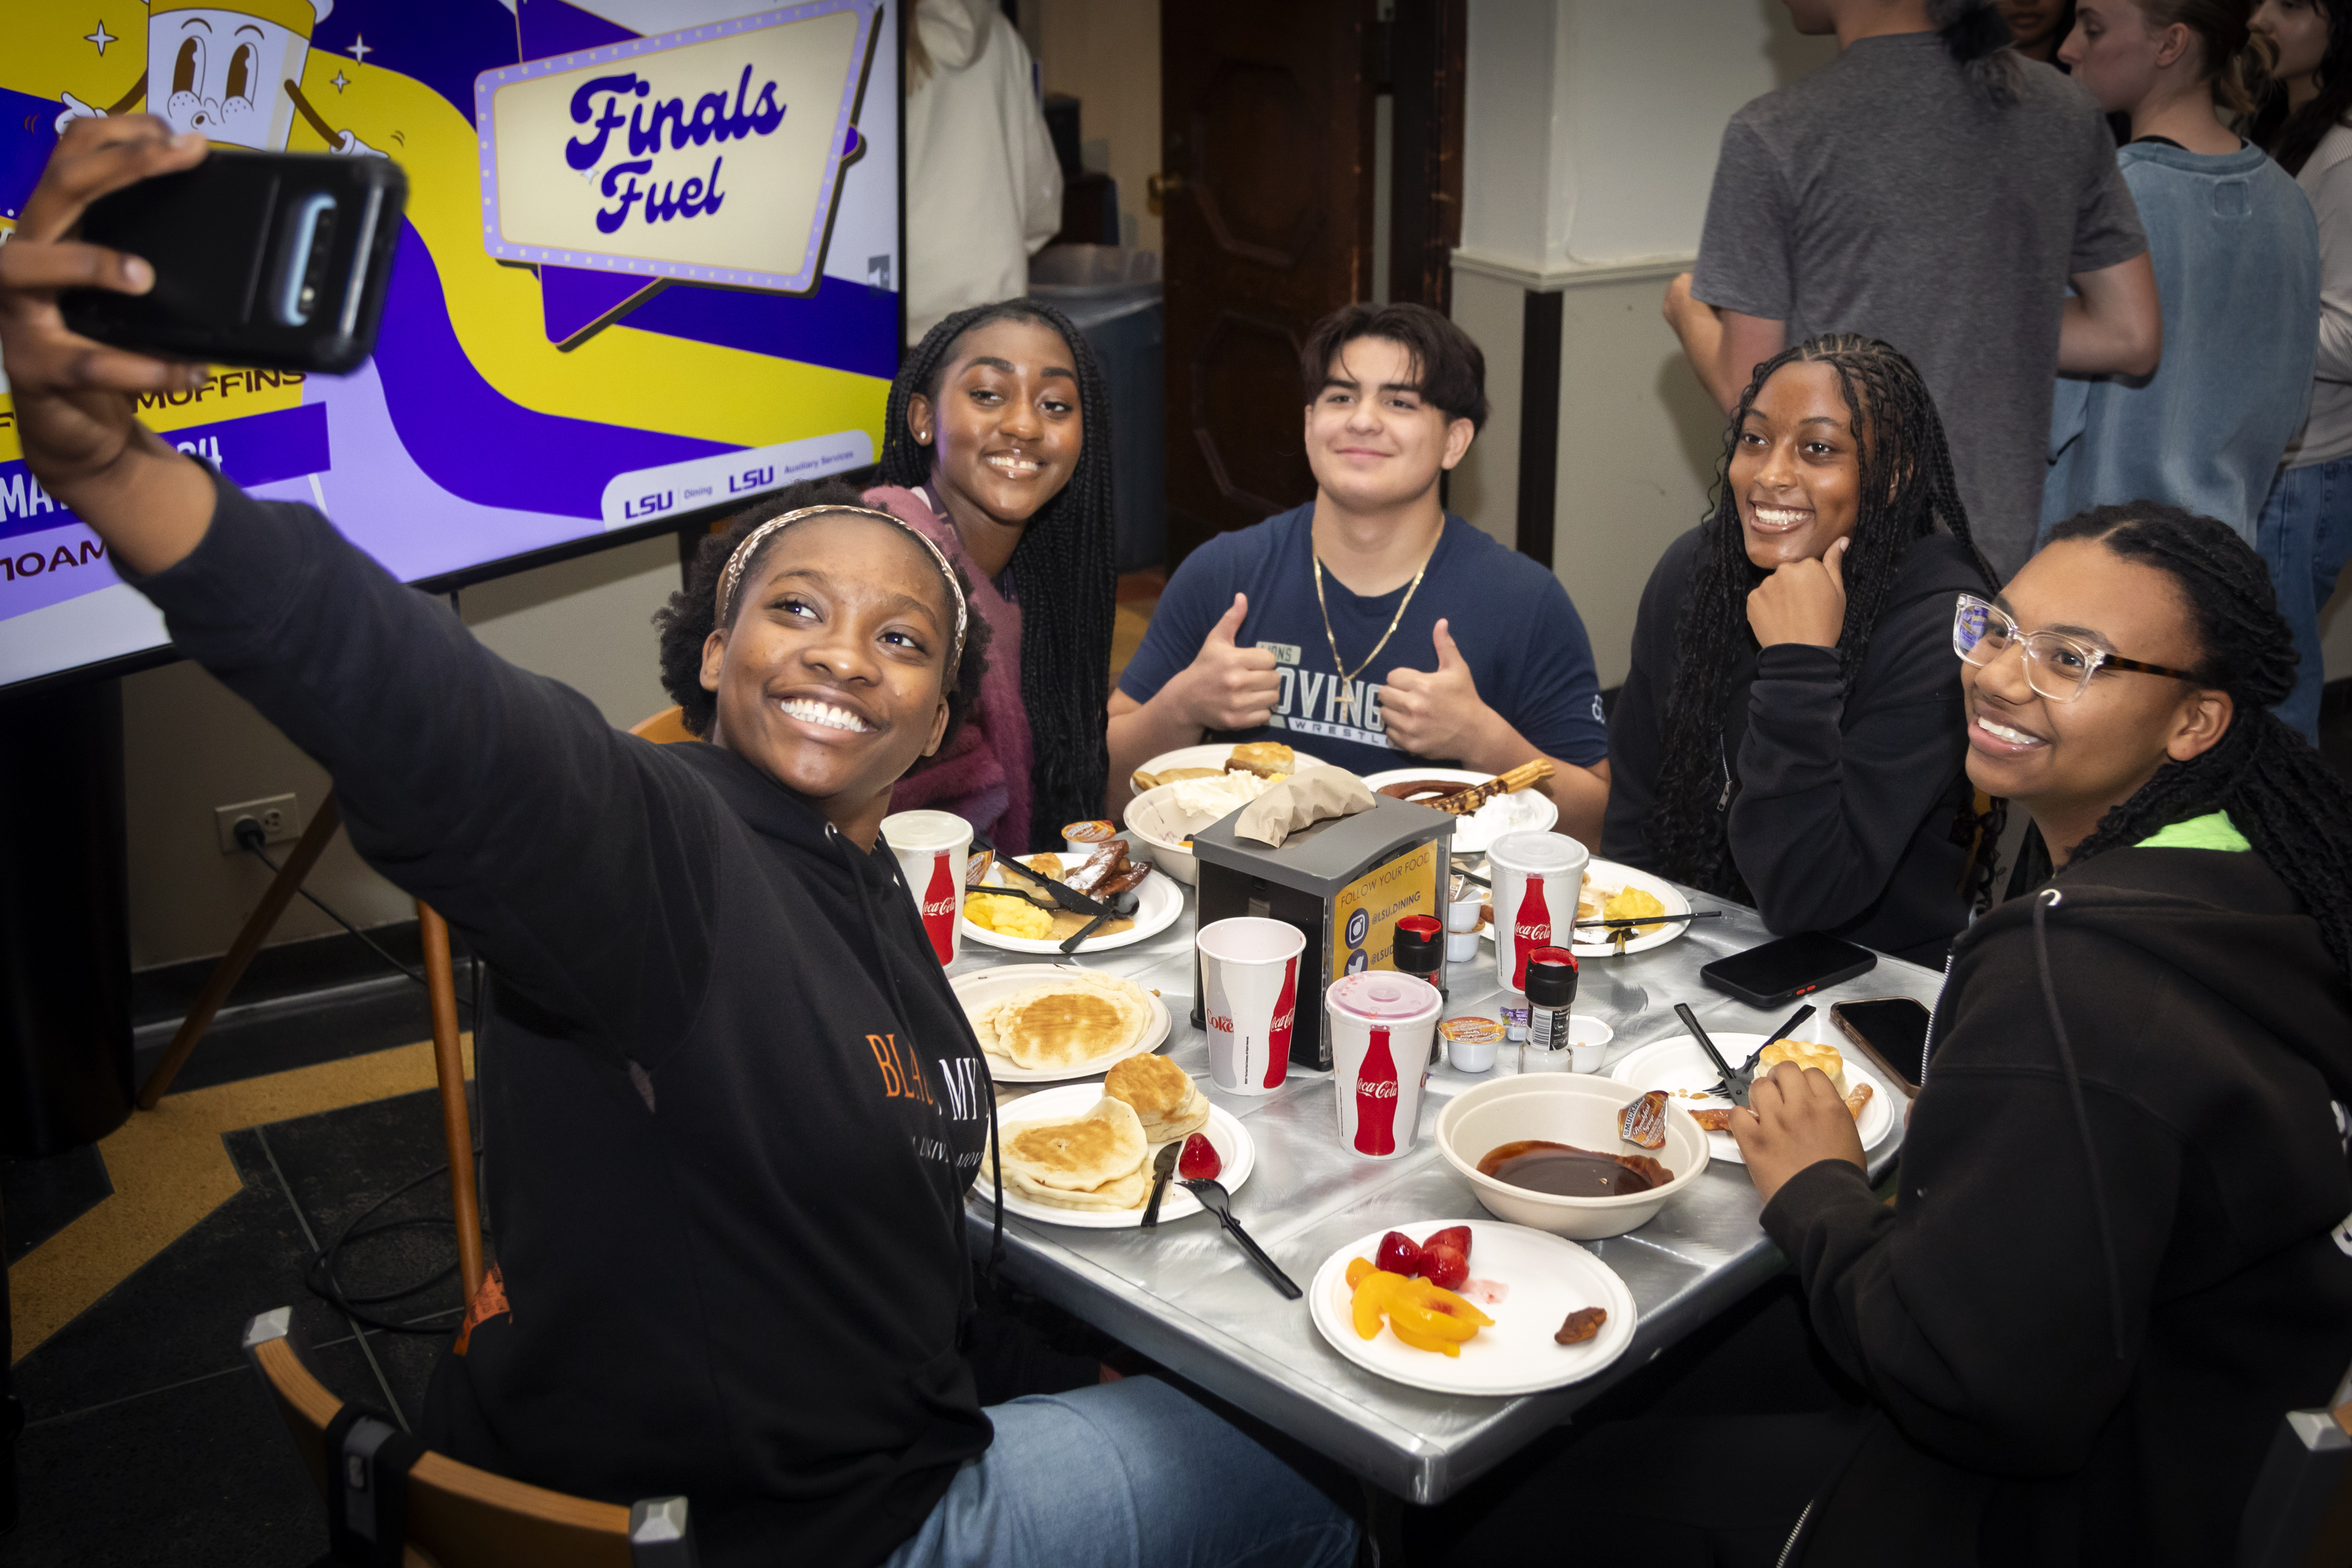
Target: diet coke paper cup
1536	878
1381	1025
1249	995
932	847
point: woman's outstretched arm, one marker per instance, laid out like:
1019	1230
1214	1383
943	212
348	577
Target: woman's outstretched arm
580	867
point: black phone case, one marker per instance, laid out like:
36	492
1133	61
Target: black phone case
1713	976
216	236
1897	1076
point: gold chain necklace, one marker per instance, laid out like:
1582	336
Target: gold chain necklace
1347	674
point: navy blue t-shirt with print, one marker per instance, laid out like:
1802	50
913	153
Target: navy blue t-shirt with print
1522	639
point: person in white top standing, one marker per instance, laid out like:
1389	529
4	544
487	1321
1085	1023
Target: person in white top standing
2305	532
983	188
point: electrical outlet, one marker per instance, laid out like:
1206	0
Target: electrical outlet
280	818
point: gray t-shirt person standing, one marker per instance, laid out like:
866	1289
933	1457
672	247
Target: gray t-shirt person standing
1930	189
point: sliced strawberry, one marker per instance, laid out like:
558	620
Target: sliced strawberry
1444	1266
1398	1254
1455	1236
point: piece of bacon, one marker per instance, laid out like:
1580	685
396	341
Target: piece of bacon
1582	1324
1100	866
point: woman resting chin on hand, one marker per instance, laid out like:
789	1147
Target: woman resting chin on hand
737	1107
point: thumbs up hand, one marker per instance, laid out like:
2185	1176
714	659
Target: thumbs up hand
1436	713
1802	601
1228	687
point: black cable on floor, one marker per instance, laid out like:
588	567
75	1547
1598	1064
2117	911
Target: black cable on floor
319	1277
249	839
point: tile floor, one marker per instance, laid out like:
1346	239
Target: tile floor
146	1399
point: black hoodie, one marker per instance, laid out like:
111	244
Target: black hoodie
1843	816
729	1104
2120	1252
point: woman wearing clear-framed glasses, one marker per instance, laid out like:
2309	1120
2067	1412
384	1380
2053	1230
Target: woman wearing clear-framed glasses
2121	1245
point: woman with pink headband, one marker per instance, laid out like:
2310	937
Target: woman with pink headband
730	1108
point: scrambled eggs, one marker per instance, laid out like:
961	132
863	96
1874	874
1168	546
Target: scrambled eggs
1007	916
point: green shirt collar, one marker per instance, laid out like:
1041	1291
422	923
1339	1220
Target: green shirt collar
2213	831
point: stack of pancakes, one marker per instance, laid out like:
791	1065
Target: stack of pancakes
1071	1021
1089	1162
1162	1095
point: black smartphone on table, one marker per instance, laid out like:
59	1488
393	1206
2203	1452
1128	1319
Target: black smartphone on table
1769	976
277	260
1890	1030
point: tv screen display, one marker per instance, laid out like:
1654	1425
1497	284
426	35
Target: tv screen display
649	267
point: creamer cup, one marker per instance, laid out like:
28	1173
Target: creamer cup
1471	1042
931	848
1249	999
1381	1025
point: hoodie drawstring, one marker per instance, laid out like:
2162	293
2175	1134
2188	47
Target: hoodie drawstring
2047	899
899	1002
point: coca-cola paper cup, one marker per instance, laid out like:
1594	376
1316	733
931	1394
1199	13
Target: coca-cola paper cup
932	847
1536	878
1249	995
1382	1026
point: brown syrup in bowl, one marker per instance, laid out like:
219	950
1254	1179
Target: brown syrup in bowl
1563	1170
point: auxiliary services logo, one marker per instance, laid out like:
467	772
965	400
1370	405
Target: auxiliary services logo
712	154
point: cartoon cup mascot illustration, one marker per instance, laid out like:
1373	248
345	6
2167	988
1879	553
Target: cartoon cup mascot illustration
230	72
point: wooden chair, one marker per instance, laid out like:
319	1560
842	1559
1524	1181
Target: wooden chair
2300	1512
456	1516
666	728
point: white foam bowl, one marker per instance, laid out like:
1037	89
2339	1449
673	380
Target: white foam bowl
1152	817
1566	1109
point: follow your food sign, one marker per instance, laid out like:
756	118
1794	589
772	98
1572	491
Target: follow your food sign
711	153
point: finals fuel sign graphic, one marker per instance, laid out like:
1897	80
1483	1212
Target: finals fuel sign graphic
713	153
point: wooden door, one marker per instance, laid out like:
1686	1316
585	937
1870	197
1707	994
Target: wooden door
1267	164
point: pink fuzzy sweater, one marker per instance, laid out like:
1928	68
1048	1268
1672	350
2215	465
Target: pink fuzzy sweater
982	773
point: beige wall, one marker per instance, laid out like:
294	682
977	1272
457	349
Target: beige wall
1588	149
1105	53
191	745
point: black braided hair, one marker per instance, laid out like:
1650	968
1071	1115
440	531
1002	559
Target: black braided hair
1977	36
2289	803
685	622
1907	489
1064	571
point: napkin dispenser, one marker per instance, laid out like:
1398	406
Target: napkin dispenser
1345	883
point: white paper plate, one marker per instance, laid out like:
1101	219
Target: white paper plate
1550	1277
1532	811
1230	1139
1214	757
986	988
1677	1063
1158	903
1609	877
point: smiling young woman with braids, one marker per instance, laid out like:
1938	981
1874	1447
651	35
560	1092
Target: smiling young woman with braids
2122	1248
1789	734
997	447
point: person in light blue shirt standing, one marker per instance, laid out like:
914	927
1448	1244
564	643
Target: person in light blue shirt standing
2237	269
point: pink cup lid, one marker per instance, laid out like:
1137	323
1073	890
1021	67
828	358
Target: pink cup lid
1383	997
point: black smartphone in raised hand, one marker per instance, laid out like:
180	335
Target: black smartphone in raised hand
1767	976
277	260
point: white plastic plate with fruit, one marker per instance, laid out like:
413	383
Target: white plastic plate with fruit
1544	1279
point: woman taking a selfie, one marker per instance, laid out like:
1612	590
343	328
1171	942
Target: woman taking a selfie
997	447
1788	736
732	1258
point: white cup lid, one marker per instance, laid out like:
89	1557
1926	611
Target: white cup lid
1537	854
915	830
1384	997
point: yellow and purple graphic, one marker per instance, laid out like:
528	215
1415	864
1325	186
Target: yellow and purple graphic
649	265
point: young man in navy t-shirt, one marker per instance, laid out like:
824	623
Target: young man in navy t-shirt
1368	628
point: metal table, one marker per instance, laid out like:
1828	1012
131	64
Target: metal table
1186	1296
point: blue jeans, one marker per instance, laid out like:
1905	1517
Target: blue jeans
1127	1475
2305	536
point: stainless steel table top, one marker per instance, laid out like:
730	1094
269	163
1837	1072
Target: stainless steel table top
1187	1297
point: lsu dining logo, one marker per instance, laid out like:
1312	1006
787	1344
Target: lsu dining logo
713	153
